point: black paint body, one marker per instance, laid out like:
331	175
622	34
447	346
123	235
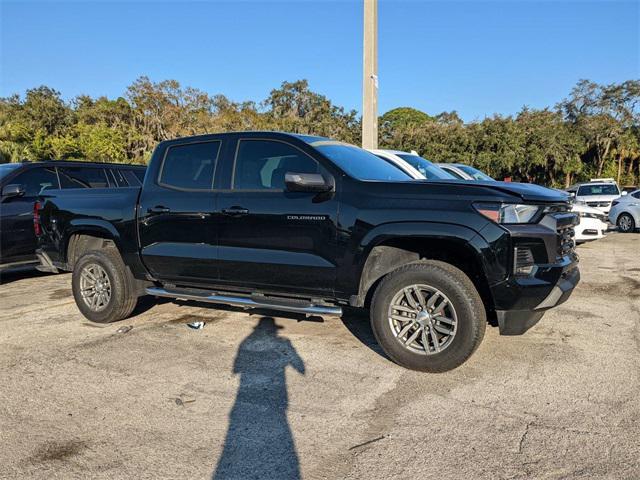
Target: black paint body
312	245
16	213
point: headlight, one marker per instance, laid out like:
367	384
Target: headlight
510	212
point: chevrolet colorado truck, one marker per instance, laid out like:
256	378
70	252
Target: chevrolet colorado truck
310	225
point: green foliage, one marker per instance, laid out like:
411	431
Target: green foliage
595	131
295	108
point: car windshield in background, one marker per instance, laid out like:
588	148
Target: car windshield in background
588	190
7	168
425	167
475	173
359	163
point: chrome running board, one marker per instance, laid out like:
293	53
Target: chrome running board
247	302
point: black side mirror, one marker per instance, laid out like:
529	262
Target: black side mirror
13	190
306	182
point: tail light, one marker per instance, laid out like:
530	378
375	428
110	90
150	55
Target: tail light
37	228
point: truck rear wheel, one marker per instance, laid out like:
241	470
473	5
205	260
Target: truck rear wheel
103	287
428	316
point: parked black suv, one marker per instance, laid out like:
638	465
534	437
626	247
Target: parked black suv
307	224
20	185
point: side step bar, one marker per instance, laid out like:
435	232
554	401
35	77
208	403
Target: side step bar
279	304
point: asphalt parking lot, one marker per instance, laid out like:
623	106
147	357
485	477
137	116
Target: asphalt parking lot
259	396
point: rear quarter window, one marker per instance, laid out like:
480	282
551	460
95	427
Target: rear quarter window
133	180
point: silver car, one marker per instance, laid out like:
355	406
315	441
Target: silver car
625	212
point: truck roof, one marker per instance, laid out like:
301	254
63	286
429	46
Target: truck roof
307	138
76	163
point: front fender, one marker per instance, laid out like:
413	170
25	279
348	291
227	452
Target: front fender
463	237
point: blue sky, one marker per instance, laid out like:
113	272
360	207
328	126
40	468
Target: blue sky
476	57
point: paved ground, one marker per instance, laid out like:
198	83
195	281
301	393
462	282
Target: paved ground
253	396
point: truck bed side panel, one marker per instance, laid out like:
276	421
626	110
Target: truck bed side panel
106	212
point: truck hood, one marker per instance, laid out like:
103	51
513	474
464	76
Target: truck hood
528	192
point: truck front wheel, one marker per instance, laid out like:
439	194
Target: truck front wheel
103	287
428	316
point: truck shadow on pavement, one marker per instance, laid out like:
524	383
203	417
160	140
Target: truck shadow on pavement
259	442
15	274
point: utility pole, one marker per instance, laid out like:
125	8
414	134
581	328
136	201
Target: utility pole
370	76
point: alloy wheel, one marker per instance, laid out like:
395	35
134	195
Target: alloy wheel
625	222
423	319
95	287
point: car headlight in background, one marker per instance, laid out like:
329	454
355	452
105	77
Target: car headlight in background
509	213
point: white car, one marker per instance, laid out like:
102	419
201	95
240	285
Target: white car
413	164
593	223
625	212
597	193
465	172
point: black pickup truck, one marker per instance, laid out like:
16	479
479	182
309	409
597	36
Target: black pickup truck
310	225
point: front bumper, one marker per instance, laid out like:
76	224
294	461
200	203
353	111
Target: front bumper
516	322
520	301
590	229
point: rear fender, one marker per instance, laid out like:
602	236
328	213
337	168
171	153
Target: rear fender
94	227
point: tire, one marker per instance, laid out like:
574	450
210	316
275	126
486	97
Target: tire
626	223
106	266
464	312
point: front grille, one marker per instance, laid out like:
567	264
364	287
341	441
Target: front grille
599	204
566	244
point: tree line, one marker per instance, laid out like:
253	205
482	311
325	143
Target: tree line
593	132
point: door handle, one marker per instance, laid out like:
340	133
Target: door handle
235	211
158	209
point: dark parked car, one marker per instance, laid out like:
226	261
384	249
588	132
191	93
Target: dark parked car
20	185
306	224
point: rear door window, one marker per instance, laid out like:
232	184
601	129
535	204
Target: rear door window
190	166
83	177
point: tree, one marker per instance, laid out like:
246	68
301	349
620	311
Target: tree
595	131
295	108
602	114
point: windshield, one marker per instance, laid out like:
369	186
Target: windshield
425	167
7	168
608	189
475	173
359	163
453	173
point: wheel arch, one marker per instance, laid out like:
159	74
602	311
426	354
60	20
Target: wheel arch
636	221
84	236
401	244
